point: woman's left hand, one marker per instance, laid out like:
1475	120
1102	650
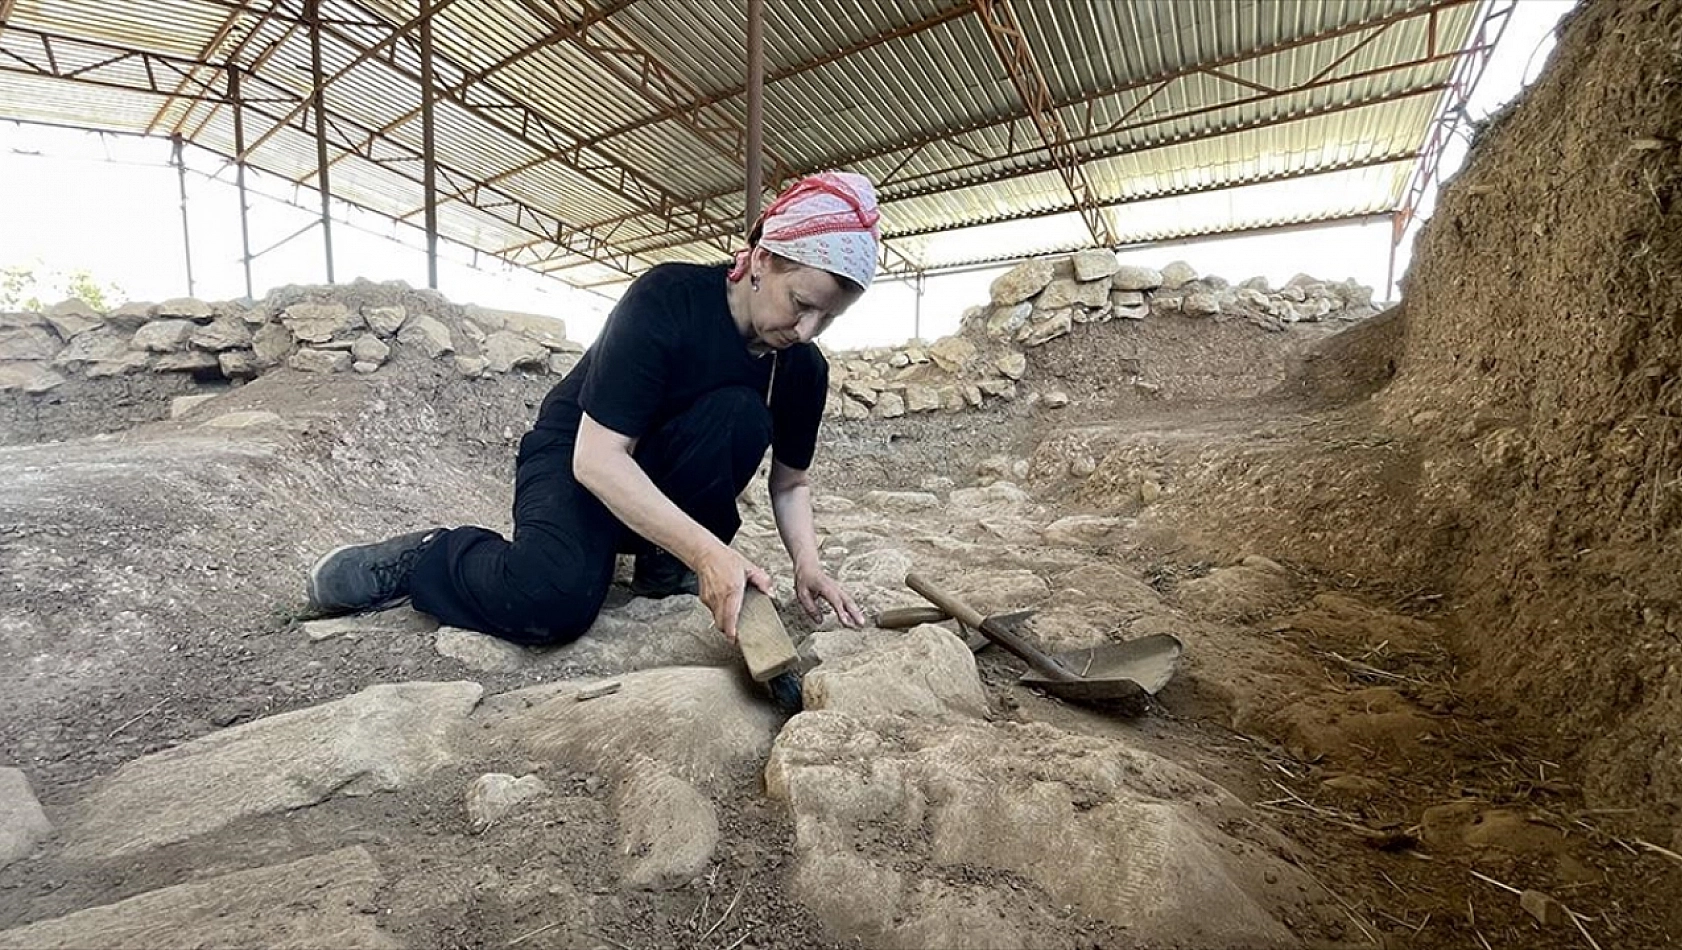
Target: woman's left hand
814	587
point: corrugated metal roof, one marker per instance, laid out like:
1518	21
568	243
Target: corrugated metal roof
590	138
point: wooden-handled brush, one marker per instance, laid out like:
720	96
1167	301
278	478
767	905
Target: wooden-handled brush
767	649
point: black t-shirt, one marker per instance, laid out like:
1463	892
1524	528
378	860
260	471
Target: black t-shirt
670	340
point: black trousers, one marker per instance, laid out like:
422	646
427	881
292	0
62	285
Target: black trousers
546	586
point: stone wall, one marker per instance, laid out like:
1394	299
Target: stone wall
1040	300
359	328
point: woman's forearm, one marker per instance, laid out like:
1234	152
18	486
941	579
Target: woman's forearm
627	491
791	505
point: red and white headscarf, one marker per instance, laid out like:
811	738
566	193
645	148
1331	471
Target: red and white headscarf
828	221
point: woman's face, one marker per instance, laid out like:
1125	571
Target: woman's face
794	302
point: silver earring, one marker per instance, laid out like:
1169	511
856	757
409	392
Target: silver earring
754	280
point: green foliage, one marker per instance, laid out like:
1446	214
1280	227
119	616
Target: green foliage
35	287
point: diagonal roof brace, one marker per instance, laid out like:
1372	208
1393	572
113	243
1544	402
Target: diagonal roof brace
1018	58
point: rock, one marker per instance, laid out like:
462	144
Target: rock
1083	466
1126	298
1021	282
1139	844
1257	284
890	406
921	398
925	672
164	336
853	409
505	350
480	651
971	394
271	344
1177	274
318	901
181	405
997	388
385	320
1049	329
1131	313
471	366
1056	399
28	343
99	345
427	334
1013	364
1201	304
132	361
244	419
131	316
952	353
223	333
1080	531
1095	263
899	360
1060	294
862	391
311	360
22	822
190	361
998	493
369	348
364	367
319	322
561	364
494	795
883	567
31	377
394	622
383	738
548	332
1133	278
187	308
647	634
1005	321
73	317
900	501
664	737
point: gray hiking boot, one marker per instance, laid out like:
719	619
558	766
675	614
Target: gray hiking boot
362	577
658	574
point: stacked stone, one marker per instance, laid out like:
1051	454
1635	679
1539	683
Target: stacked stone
1303	299
1040	300
312	330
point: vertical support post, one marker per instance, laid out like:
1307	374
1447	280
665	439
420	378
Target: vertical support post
429	173
1396	228
186	232
319	104
239	177
756	109
917	309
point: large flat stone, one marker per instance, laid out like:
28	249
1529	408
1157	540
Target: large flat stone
384	738
314	902
910	833
22	822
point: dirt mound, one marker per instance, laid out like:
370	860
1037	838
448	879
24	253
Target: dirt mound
1541	359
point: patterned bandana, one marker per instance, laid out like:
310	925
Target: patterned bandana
828	221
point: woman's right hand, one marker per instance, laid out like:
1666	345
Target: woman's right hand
724	575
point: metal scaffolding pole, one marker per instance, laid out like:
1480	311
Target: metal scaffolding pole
186	232
239	178
319	104
429	166
756	109
917	310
